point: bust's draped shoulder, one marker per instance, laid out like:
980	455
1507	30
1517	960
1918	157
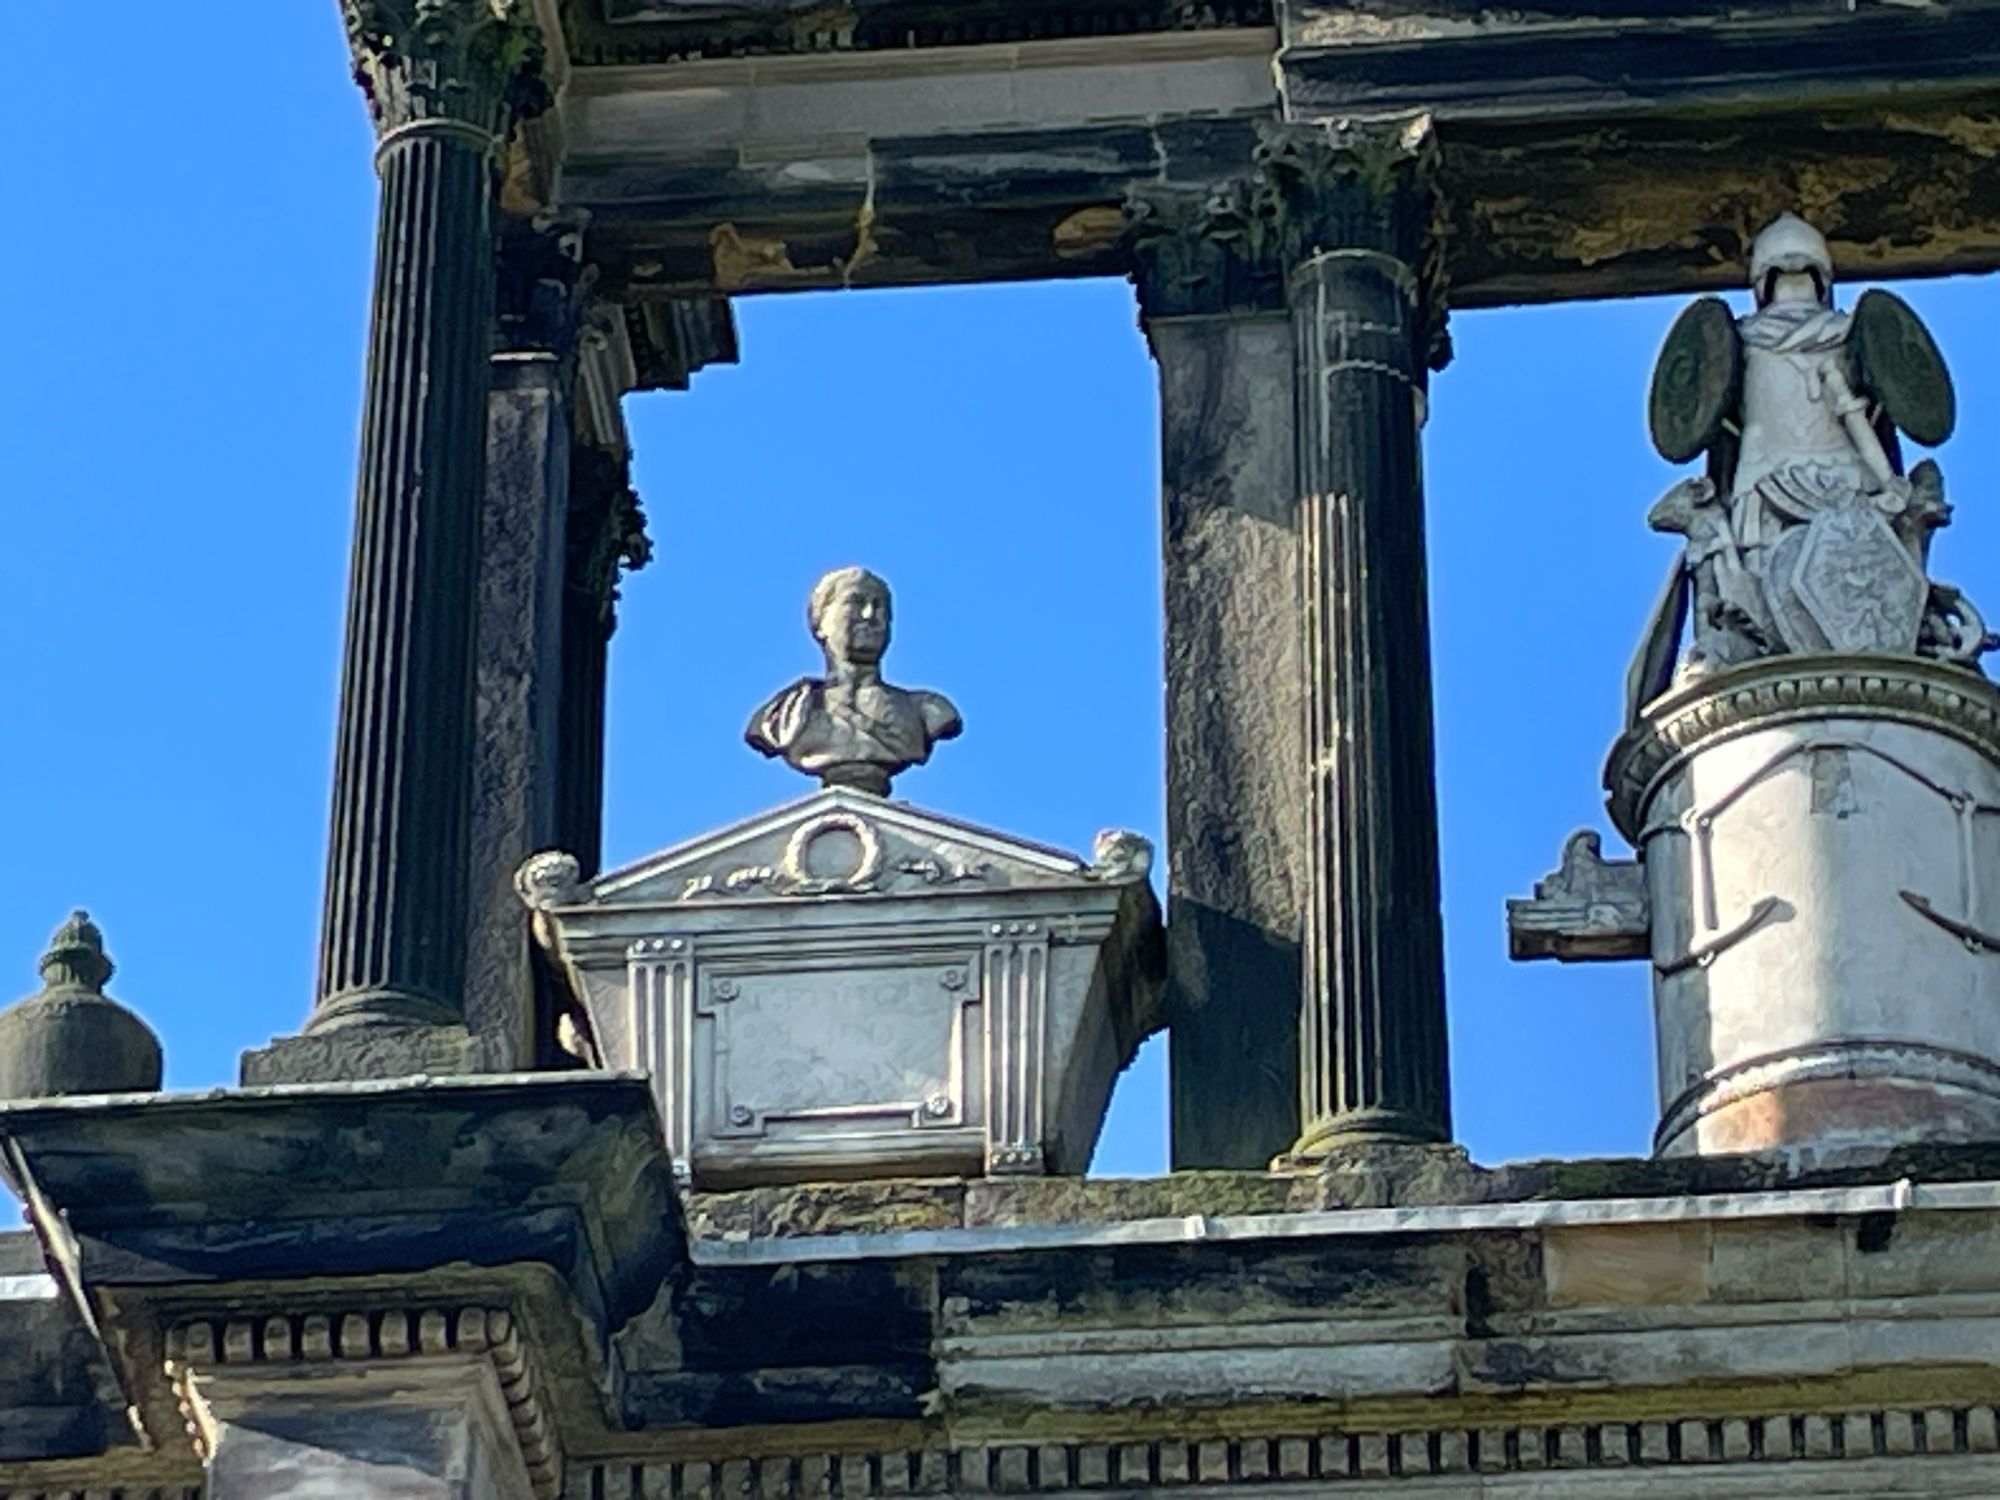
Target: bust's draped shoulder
940	714
777	725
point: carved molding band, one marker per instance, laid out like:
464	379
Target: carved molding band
1944	1067
1783	690
1330	1457
198	1344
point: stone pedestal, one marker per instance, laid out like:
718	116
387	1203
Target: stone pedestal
1820	838
852	987
1235	760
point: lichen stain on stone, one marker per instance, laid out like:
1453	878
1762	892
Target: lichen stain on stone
1979	135
1088	231
743	261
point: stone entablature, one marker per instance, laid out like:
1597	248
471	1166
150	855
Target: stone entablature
852	986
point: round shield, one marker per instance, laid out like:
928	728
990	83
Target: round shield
1901	367
1697	381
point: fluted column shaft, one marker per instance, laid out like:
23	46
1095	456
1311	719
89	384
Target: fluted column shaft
1367	324
445	80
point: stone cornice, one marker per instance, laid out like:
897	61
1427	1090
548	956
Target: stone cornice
1789	689
198	1347
611	32
470	66
1368	1460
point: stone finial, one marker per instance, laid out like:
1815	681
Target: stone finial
76	957
72	1038
850	728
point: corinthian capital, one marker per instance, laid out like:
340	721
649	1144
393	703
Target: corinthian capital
1367	190
1203	250
474	64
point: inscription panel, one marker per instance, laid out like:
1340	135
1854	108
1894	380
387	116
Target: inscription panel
840	1047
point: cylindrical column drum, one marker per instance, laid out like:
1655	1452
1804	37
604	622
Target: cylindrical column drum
1821	842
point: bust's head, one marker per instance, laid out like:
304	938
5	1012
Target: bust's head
849	616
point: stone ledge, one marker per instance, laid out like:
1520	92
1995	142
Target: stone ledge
1355	1177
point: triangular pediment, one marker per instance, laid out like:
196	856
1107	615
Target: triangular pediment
836	842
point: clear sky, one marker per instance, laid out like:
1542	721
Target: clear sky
189	272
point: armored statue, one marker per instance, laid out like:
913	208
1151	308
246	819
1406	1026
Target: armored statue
850	728
1805	533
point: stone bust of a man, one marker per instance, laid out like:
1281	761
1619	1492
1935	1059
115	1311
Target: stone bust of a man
850	728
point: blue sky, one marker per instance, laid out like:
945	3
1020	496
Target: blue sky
190	272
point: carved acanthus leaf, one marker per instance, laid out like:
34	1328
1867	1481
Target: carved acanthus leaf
474	62
1369	187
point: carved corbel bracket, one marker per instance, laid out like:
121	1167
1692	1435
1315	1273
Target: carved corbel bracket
607	527
1589	909
544	285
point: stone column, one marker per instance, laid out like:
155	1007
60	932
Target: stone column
1211	292
445	79
1358	210
444	83
520	650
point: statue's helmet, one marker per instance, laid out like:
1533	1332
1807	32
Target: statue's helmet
1789	243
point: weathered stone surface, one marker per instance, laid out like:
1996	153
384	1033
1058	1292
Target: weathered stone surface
1588	908
884	1207
1088	1201
70	1037
1805	534
1235	760
1584	140
381	1431
518	672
